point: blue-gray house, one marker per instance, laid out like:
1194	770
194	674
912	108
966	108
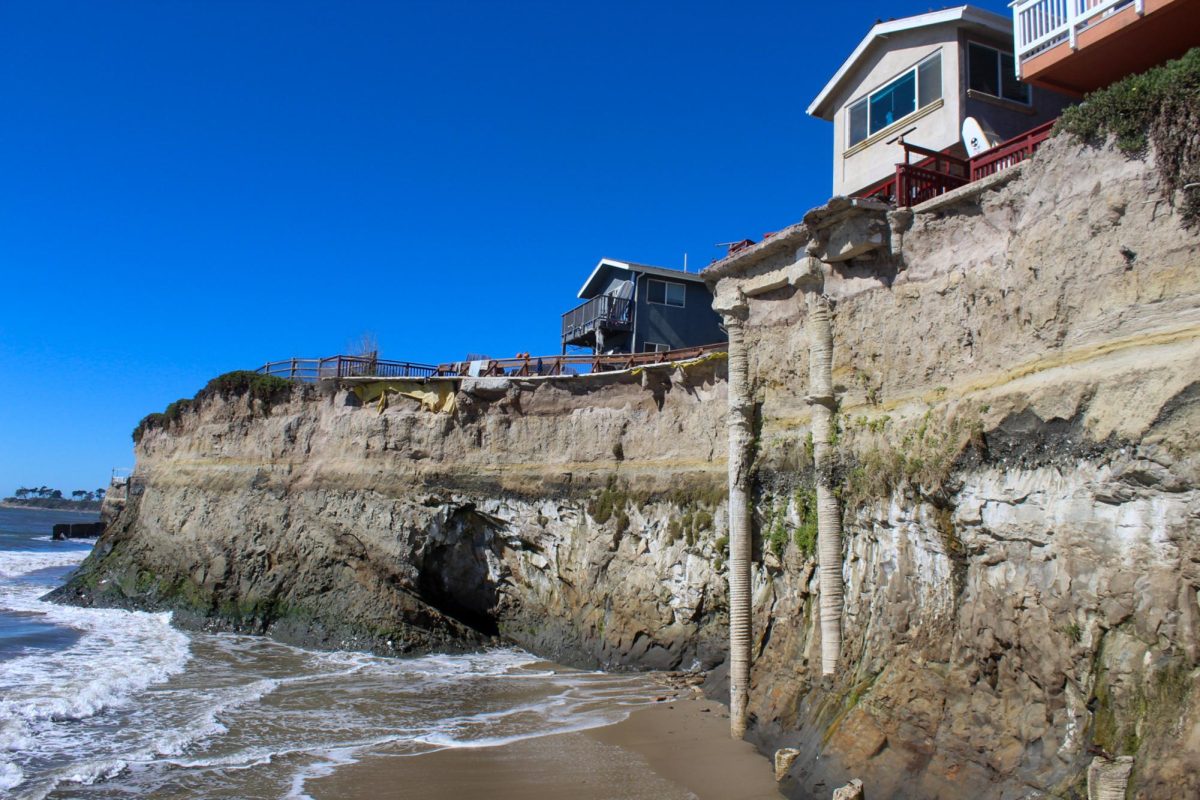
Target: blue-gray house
635	308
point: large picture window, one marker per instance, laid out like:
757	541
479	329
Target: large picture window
993	72
887	105
665	293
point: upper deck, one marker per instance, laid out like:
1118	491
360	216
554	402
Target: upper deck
1078	46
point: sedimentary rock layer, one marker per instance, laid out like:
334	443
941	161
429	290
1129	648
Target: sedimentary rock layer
549	512
1017	388
1017	378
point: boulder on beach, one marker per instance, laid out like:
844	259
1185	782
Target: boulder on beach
77	530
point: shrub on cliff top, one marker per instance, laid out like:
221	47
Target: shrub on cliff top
1161	107
265	388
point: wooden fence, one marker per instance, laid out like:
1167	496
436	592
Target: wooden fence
310	370
523	366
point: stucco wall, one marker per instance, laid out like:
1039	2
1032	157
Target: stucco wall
1006	118
936	129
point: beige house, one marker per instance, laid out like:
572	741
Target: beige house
920	77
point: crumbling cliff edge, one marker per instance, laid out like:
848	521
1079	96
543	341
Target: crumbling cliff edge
403	516
1016	374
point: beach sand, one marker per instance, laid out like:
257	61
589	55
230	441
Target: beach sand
678	750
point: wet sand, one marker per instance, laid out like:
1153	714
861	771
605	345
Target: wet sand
679	750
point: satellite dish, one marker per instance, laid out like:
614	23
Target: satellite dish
975	138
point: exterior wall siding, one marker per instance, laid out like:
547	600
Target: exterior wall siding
694	324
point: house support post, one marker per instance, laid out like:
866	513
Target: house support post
741	438
829	521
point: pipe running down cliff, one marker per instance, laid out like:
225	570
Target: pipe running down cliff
741	438
829	521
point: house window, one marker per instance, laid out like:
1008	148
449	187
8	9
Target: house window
993	72
654	347
665	293
916	88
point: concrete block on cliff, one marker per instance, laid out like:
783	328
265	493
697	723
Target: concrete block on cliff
851	238
1108	778
486	388
851	791
784	758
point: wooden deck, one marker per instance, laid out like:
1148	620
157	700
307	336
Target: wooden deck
938	172
606	312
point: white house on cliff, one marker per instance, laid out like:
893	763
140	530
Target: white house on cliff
920	77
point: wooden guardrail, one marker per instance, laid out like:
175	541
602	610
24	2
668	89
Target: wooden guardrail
524	366
938	172
604	311
1014	151
310	370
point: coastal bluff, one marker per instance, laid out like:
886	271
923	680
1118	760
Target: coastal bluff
404	516
1017	377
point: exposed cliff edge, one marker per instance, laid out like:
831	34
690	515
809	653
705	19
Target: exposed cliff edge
576	518
1019	371
1018	384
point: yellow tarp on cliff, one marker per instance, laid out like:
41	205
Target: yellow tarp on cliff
437	396
683	364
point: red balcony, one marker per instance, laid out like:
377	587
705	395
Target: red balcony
939	172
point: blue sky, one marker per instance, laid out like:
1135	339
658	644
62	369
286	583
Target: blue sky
196	187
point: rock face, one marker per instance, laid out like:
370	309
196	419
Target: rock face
580	523
1018	384
1018	389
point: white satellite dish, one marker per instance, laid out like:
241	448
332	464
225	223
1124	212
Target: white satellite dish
975	138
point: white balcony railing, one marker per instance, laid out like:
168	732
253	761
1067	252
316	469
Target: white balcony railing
1039	25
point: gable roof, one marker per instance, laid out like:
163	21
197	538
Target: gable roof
880	31
591	285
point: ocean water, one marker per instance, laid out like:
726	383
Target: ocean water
101	703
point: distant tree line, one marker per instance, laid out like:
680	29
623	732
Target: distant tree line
46	493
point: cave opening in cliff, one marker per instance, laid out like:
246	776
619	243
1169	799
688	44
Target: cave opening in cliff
456	578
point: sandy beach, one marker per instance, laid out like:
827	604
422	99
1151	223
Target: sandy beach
677	750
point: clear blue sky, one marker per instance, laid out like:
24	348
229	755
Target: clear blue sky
196	187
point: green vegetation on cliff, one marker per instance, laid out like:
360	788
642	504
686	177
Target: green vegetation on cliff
265	388
1161	107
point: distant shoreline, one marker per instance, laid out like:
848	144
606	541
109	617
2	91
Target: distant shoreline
47	504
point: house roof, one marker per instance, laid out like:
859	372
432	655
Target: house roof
592	285
969	15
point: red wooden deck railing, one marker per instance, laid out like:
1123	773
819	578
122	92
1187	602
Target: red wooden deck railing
937	174
1014	151
940	172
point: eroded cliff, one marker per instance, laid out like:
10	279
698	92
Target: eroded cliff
577	518
1017	400
1018	470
